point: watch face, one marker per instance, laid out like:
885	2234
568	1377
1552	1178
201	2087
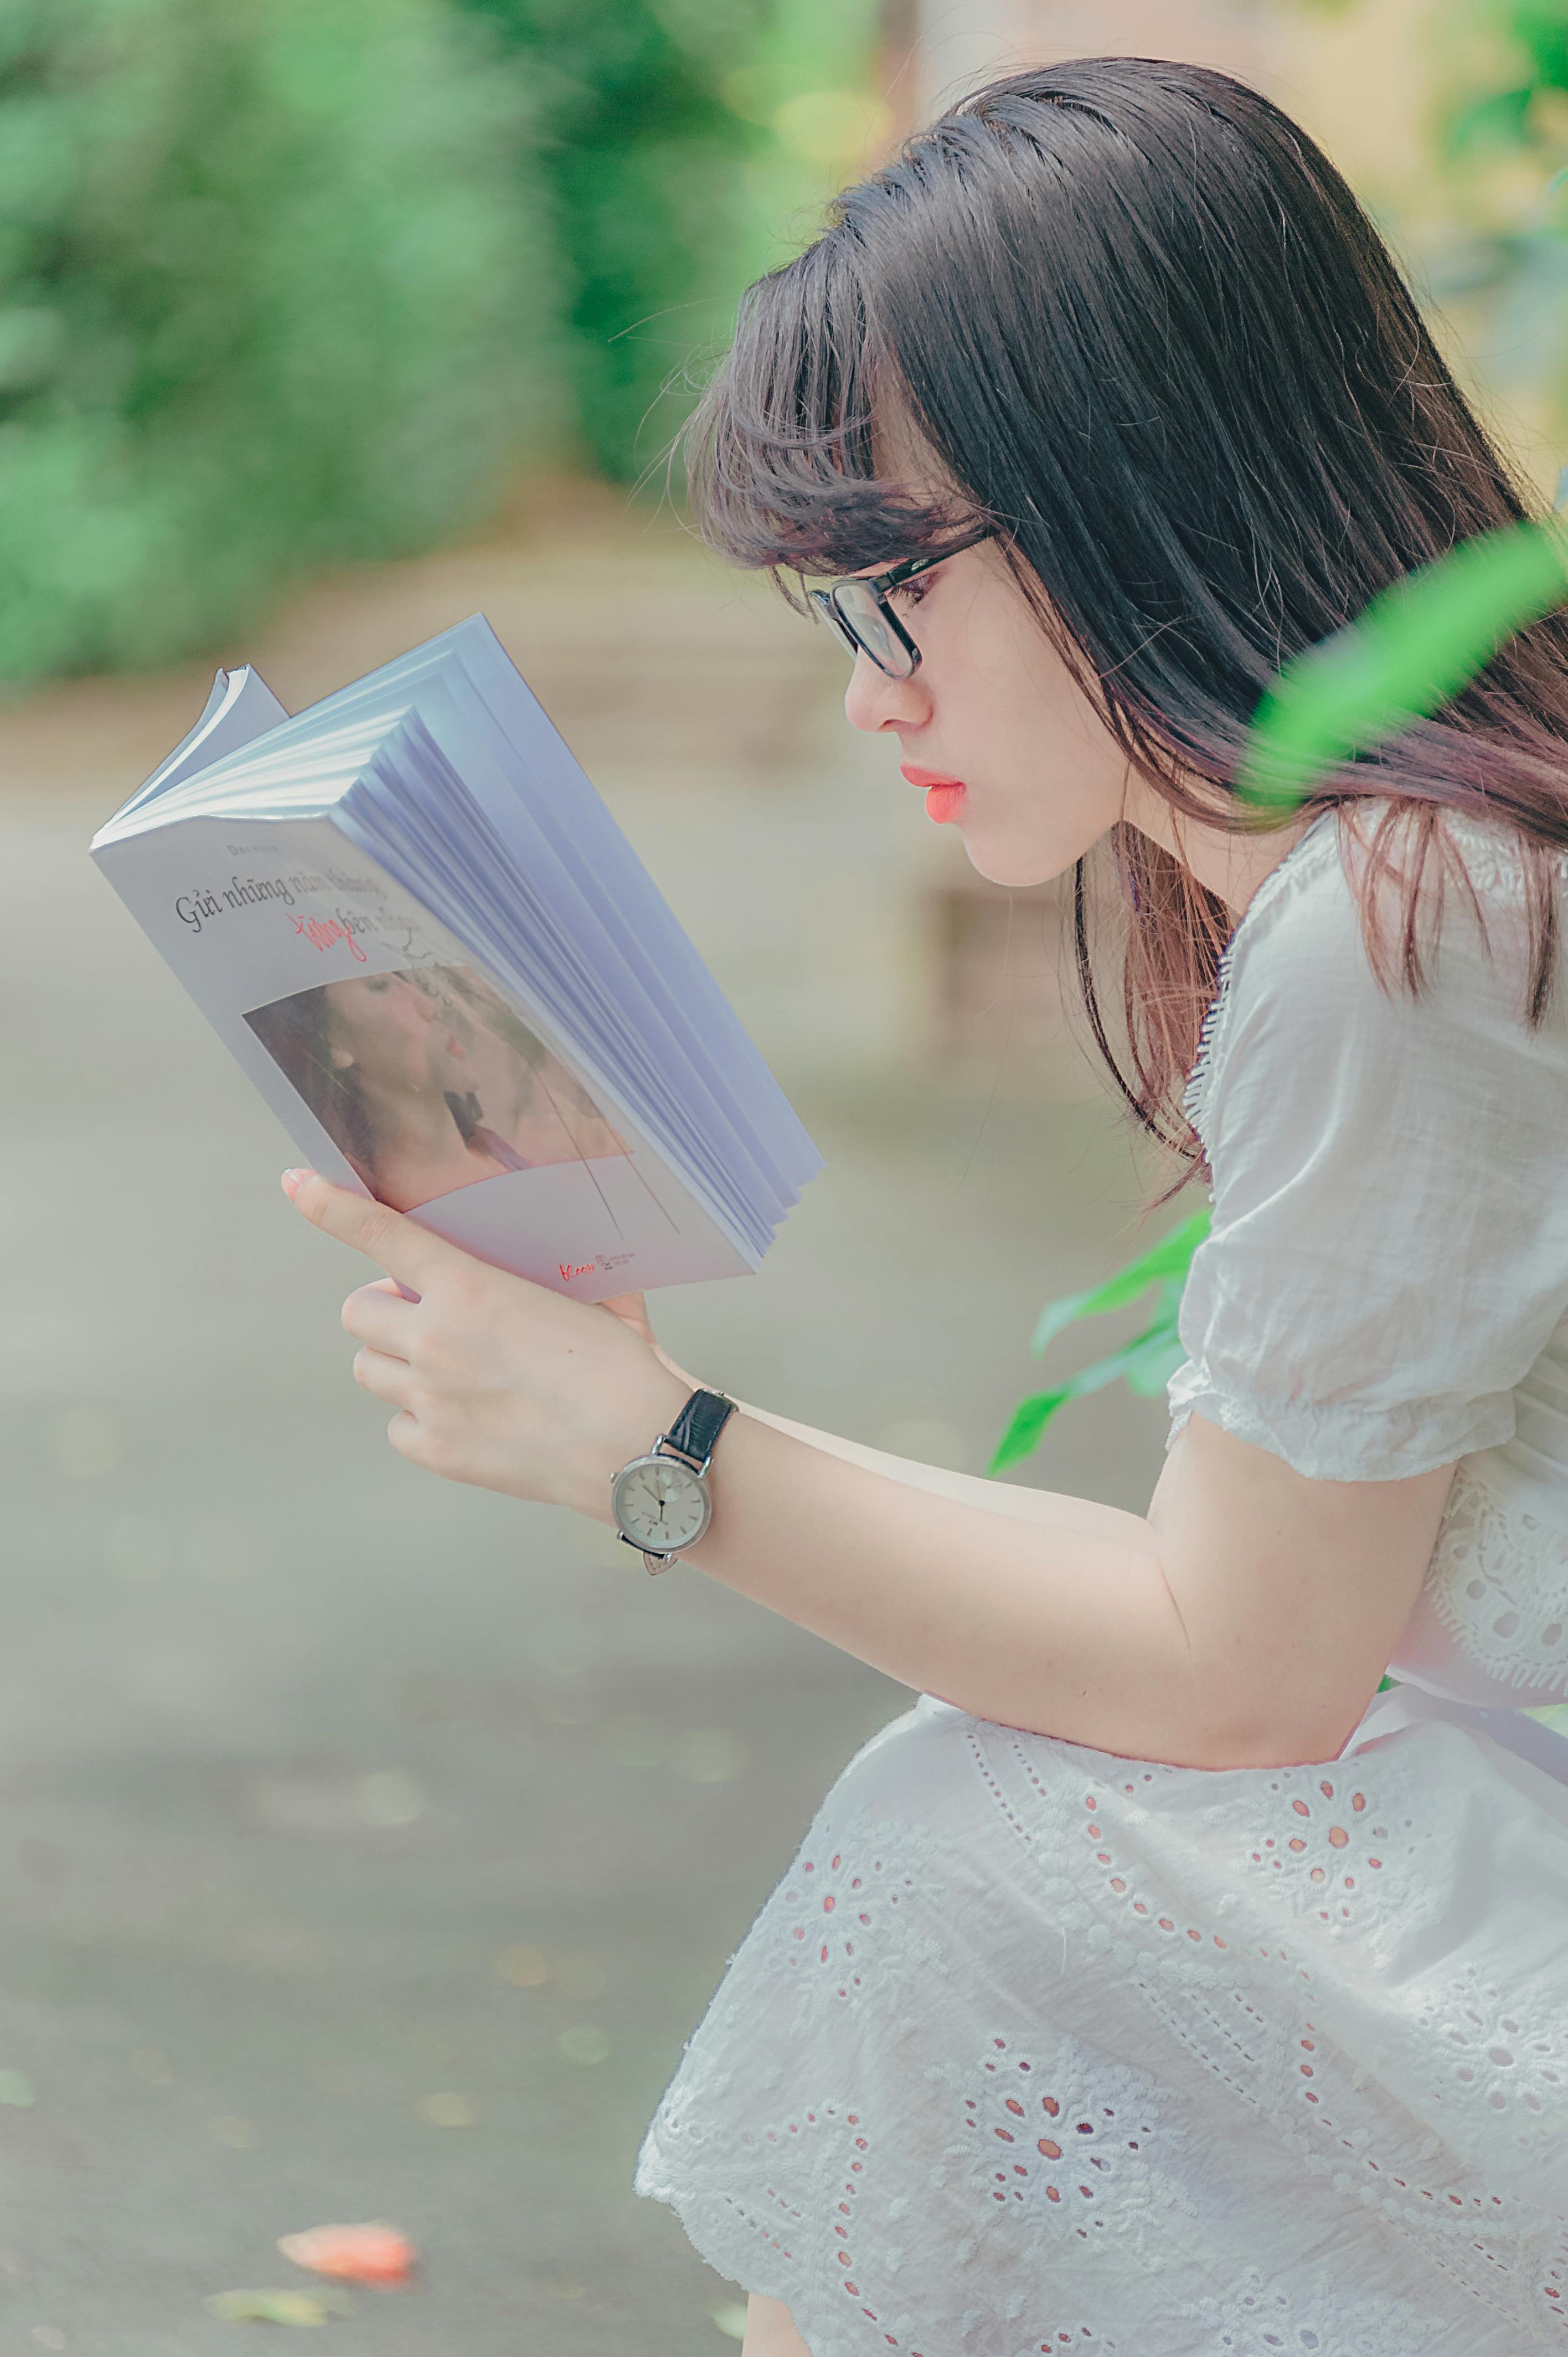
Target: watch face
660	1504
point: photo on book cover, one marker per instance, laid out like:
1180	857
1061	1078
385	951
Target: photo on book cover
427	1081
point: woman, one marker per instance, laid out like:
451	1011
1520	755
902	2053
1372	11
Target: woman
428	1082
378	1062
1149	1988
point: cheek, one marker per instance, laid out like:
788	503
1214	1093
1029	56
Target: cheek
1054	783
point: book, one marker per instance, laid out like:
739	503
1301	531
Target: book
417	927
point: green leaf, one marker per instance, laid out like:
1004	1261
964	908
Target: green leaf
1410	653
1156	1362
1145	1364
1169	1259
1029	1419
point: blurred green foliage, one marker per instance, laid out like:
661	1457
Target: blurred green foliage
1531	47
1482	215
640	153
809	86
300	281
1501	148
271	282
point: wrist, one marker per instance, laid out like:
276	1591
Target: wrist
680	1374
641	1414
659	1500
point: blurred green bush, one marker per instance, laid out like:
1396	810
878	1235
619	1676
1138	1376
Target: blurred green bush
1520	103
643	154
1503	152
277	287
1477	204
293	282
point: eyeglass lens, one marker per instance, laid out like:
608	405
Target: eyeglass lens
858	605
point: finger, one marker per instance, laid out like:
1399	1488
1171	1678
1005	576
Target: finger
405	1249
379	1314
403	1434
384	1378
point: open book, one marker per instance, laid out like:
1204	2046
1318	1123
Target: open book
409	915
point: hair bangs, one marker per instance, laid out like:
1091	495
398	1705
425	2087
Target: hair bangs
782	452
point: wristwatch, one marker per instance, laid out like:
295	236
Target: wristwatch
660	1501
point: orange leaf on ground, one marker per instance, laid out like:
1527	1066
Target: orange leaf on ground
372	2254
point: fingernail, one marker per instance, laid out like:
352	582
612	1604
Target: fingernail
293	1180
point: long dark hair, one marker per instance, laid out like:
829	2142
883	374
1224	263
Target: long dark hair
296	1033
1144	328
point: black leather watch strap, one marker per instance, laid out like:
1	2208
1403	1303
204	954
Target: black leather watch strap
699	1424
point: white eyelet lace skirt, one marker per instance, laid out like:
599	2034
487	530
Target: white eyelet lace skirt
1036	2049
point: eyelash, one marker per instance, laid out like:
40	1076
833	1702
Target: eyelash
914	590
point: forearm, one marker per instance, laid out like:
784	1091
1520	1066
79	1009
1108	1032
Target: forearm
1057	1508
1245	1620
1043	1612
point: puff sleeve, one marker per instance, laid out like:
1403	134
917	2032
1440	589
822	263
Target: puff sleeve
1388	1249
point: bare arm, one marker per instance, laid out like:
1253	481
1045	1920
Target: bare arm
1245	1620
1055	1507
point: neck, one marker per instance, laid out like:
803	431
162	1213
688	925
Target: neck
1230	864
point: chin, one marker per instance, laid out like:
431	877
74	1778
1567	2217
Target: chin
1018	865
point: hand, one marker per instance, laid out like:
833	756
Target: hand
495	1381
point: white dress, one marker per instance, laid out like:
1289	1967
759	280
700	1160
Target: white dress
1038	2049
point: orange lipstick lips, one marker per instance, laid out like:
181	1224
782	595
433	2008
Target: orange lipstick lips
944	795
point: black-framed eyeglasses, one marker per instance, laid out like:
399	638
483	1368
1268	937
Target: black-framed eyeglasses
859	611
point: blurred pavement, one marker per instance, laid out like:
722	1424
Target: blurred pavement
370	1845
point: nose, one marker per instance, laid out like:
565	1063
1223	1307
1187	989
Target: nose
872	701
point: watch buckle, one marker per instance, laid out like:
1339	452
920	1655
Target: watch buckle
665	1446
653	1560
